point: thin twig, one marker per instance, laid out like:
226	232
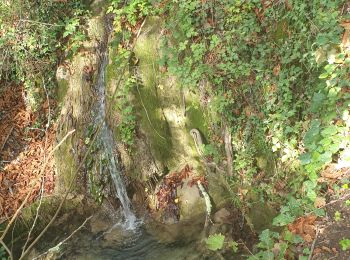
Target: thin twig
6	248
14	217
36	215
250	252
43	177
65	240
30	192
337	200
228	149
313	244
6	138
59	207
41	23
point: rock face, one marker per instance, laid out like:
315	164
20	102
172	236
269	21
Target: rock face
221	216
191	203
164	117
160	108
76	80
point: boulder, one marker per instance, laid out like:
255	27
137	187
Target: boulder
191	203
222	216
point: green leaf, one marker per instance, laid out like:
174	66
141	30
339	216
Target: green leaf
323	75
333	148
312	133
345	244
288	236
329	131
282	250
234	246
317	101
267	239
330	68
311	194
294	239
305	158
215	242
325	157
337	216
283	219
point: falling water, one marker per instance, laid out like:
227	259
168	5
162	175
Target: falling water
107	143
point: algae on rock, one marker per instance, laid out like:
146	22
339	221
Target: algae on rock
76	80
160	105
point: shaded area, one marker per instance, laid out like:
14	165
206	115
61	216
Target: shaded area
23	148
102	237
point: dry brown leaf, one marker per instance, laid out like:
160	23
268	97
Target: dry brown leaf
304	226
320	202
24	166
276	70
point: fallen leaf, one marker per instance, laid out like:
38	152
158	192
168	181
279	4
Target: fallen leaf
304	226
276	70
320	202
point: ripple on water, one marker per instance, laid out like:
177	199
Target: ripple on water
119	243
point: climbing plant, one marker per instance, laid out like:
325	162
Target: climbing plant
260	58
276	72
33	35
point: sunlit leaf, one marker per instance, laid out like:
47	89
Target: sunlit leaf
215	242
283	219
345	244
234	246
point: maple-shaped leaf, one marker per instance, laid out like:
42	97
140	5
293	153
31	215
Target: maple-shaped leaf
215	242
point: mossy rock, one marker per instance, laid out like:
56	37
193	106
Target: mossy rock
160	107
264	157
260	216
191	204
76	91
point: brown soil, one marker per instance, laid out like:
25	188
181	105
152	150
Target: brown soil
23	151
332	230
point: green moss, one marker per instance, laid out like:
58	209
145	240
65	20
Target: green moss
152	120
62	87
196	119
111	73
148	104
264	157
260	216
71	210
96	7
146	50
281	32
48	208
65	159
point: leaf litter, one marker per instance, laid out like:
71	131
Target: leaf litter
23	149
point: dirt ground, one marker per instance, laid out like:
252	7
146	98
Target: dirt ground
333	228
323	234
24	149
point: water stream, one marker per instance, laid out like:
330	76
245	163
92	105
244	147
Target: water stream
117	239
106	142
122	244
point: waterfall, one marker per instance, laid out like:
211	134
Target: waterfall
107	144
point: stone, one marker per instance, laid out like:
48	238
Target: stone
191	203
222	216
